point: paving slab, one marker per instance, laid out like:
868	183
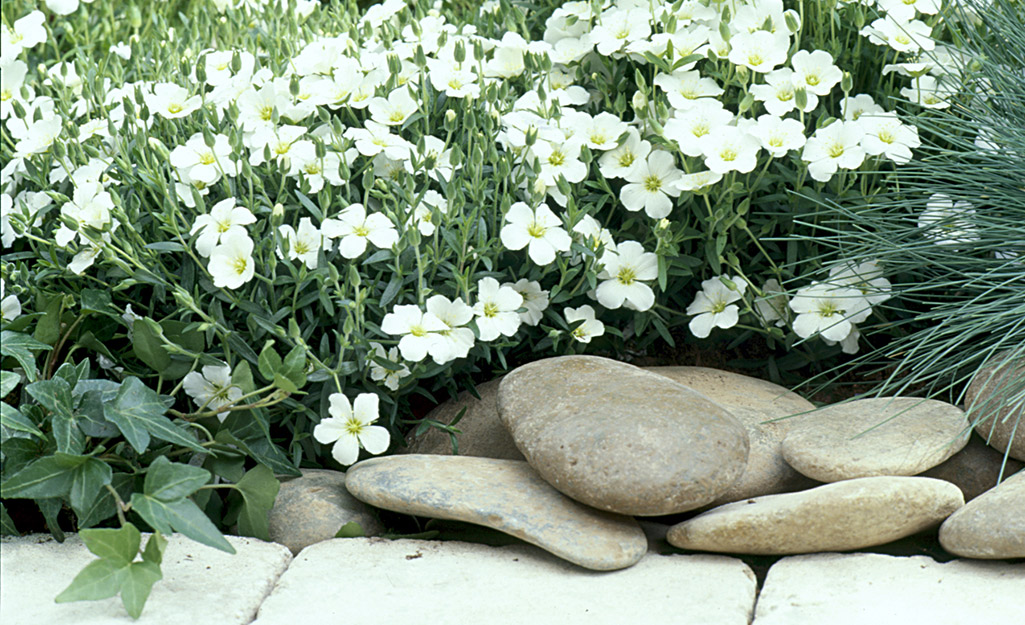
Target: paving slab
412	582
200	584
855	589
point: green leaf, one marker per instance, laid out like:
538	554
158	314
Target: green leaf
96	300
285	384
259	489
8	382
147	345
117	545
261	450
51	508
54	395
242	377
138	412
104	506
269	362
182	516
68	435
89	341
169	481
91	416
351	529
43	478
7	527
155	547
87	483
100	579
48	329
136	585
11	418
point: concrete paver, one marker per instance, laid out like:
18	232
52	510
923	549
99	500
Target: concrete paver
860	588
405	582
201	585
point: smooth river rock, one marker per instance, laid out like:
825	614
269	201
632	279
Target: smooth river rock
851	514
619	438
975	469
1004	424
991	526
872	437
506	495
766	411
482	434
313	508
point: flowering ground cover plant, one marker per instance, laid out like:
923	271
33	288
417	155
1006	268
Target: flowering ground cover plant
240	236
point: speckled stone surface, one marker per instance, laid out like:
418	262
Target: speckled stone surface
992	526
851	514
506	495
1004	425
314	507
872	437
762	408
482	433
619	438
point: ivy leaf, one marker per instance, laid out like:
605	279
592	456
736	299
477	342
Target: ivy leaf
51	508
91	417
8	382
96	300
169	481
100	579
259	489
12	419
103	507
138	412
117	545
44	478
136	585
87	482
54	395
155	547
7	527
182	516
49	326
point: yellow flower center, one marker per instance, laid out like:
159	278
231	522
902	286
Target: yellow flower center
812	79
886	136
361	231
174	108
207	158
627	159
354	427
652	184
417	331
490	310
266	113
835	150
557	158
396	116
626	276
536	230
240	264
729	154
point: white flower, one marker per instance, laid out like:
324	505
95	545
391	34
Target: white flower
375	138
777	135
698	180
838	145
349	427
901	36
687	127
201	163
231	262
223	217
535	300
10	307
355	227
539	230
865	276
684	88
815	71
714	305
728	149
394	110
279	141
929	92
456	340
590	327
948	222
416	328
905	10
651	184
452	81
620	27
315	170
12	79
89	208
778	94
759	51
624	272
856	106
212	389
25	33
392	375
828	310
303	245
172	101
886	134
559	159
772	306
496	309
620	161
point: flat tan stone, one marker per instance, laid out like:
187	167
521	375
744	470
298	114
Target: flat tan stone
975	469
851	514
619	438
482	434
872	437
990	396
992	526
506	495
763	409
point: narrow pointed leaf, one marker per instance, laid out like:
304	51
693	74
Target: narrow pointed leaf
8	382
170	481
138	412
136	585
155	546
117	545
87	483
100	579
12	419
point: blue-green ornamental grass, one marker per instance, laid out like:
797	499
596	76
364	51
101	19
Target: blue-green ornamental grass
240	235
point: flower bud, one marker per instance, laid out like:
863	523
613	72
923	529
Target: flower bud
277	215
847	82
159	147
801	98
793	20
640	104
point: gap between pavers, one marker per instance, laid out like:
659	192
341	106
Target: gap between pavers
371	581
876	589
201	585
